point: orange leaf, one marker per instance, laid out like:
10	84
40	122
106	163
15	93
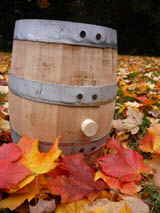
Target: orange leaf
129	188
111	182
151	141
146	143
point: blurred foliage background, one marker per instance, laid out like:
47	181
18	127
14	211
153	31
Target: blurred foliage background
137	22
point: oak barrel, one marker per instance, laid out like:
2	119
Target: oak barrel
62	83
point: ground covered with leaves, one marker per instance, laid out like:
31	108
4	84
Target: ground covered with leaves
126	179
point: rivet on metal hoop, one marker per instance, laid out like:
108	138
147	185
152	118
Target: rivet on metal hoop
98	36
82	34
80	96
94	97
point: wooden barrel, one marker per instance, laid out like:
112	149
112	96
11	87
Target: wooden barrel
62	83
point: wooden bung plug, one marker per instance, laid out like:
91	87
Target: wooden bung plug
89	127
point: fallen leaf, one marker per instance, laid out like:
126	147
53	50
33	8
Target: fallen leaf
136	205
3	89
4	112
155	165
146	143
76	207
33	159
131	123
43	206
98	210
127	205
28	192
124	163
10	152
4	124
35	187
11	173
128	188
146	101
73	179
111	181
15	201
151	141
125	209
122	170
22	184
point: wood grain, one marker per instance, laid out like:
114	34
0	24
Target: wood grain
62	64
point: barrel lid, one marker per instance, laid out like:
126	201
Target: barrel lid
53	31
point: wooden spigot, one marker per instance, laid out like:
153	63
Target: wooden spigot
89	127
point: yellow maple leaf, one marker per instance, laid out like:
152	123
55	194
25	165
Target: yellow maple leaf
126	209
14	201
36	161
23	183
28	192
98	175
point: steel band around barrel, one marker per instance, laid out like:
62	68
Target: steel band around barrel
51	31
86	147
61	94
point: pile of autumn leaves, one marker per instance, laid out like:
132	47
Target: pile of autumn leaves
26	173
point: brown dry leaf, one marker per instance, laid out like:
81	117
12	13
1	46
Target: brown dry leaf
131	123
128	205
4	89
4	124
155	165
43	206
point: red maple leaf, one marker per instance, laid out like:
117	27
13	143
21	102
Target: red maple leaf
73	179
124	167
125	163
10	152
11	173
